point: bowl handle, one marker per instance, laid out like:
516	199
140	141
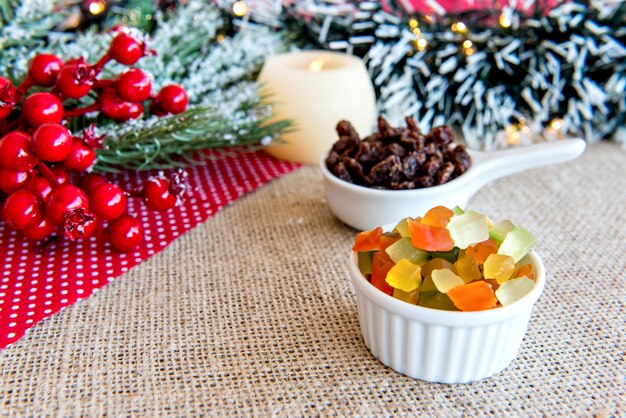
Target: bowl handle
489	166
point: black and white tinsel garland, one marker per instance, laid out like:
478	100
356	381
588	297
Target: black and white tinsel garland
500	76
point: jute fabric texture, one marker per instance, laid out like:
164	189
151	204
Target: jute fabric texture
253	314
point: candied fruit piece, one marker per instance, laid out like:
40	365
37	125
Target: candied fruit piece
368	240
482	250
468	229
450	256
402	227
381	264
498	231
517	243
387	239
474	296
436	300
404	249
514	289
445	280
499	267
437	216
525	270
405	276
365	262
411	297
467	268
430	238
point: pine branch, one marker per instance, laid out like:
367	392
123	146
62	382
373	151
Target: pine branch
178	141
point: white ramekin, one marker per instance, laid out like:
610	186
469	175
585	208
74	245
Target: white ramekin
442	346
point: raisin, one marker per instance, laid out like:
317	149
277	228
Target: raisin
410	165
394	149
445	173
369	152
432	166
340	171
356	172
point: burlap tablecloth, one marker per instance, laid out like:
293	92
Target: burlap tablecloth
253	314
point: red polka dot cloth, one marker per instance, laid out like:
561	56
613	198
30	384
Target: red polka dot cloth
36	282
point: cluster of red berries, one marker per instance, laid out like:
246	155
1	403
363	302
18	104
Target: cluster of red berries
38	153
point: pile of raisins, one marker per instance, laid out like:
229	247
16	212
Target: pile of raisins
397	158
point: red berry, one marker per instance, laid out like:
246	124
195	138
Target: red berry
16	153
42	107
75	80
41	187
107	201
172	99
157	194
114	107
81	157
7	97
125	233
44	229
78	224
63	199
61	176
44	69
11	181
134	85
52	142
125	49
22	210
90	181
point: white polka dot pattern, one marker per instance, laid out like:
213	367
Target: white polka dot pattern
36	282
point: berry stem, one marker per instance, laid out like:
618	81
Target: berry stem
15	125
98	66
103	83
47	173
24	86
80	111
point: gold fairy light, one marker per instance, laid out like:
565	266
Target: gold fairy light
416	31
413	23
240	8
421	44
97	7
428	18
467	44
459	27
505	21
469	51
556	124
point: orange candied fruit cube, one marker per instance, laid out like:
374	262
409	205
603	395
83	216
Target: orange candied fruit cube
381	264
437	216
430	238
368	240
474	296
525	270
482	250
387	239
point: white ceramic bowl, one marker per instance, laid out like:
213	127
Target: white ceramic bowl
442	346
365	208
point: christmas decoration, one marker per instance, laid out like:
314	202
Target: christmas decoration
189	49
501	76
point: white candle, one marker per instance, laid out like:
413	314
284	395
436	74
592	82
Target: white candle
316	90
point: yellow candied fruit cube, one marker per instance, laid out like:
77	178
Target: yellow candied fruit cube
405	276
445	280
467	268
499	267
409	297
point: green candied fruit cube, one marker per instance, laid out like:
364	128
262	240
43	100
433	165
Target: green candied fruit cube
514	289
450	256
410	297
365	259
436	300
404	249
499	230
468	229
402	227
517	243
457	210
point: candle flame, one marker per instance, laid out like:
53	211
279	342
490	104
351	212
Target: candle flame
317	64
